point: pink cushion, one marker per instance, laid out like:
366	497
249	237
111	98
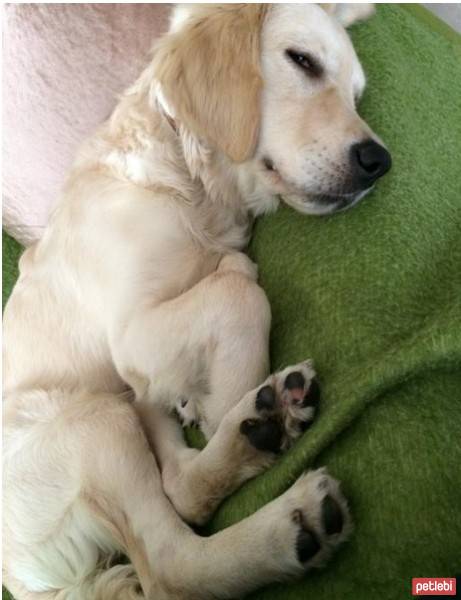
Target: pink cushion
64	65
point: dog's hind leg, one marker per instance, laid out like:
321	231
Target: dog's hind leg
293	533
97	489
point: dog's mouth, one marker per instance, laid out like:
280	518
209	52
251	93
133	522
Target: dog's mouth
312	203
324	204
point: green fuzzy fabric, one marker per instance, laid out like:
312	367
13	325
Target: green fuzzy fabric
373	295
11	252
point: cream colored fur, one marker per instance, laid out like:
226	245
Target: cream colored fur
139	296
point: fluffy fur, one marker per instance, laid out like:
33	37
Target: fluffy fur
138	301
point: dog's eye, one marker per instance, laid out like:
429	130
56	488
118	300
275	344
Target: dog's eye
306	62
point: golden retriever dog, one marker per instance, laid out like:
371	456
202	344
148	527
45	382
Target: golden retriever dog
138	304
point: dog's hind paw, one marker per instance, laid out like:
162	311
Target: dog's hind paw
306	524
319	515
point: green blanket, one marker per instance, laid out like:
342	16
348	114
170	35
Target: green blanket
374	297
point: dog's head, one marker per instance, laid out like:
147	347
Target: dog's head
275	87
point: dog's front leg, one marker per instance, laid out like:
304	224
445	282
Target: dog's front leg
210	346
248	440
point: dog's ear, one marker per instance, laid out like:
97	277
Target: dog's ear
209	72
347	14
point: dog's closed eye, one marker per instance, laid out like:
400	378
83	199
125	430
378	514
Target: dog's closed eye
306	62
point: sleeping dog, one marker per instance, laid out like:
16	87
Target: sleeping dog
138	304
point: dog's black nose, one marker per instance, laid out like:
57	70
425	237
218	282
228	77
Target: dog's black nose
370	160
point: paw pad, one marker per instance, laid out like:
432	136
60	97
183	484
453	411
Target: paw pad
332	516
312	396
295	381
265	398
266	435
307	543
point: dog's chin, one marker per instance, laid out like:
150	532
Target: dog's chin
324	204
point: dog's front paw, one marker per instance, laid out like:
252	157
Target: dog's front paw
284	407
299	392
